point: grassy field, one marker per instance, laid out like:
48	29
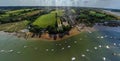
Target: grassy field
13	27
47	20
59	12
15	12
31	13
16	26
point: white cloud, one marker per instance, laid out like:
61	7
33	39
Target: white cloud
83	3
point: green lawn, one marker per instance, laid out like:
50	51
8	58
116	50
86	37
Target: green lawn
47	20
16	26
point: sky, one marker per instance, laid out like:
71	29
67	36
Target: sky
115	4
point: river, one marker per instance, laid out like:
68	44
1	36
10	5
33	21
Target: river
100	45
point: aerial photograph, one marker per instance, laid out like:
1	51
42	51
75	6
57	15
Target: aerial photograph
59	30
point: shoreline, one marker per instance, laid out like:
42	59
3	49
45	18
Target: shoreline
45	37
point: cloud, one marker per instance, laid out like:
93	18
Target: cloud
83	3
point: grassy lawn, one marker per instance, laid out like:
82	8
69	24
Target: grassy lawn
11	27
47	20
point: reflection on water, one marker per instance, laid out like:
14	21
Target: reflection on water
100	45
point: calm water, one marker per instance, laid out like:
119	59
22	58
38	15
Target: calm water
100	45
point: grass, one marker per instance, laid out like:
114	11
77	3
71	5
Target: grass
59	12
31	13
14	12
17	11
16	26
73	11
13	27
47	20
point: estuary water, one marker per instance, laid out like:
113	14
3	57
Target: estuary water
100	45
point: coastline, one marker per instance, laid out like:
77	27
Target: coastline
15	30
45	37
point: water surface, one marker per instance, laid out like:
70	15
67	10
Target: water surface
102	44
